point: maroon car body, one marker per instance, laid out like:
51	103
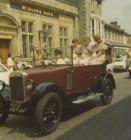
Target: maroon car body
47	90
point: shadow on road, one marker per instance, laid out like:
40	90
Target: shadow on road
27	125
114	123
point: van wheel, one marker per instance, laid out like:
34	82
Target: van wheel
106	98
3	117
48	112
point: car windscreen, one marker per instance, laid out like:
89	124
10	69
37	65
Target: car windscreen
54	56
2	69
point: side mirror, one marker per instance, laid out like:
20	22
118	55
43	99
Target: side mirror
2	85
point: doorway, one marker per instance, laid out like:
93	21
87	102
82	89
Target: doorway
4	49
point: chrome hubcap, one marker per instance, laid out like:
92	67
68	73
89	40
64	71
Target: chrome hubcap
50	114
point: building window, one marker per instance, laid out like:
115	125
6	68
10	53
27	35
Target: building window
23	26
93	27
30	27
63	33
27	38
31	43
63	37
100	29
92	5
24	42
47	37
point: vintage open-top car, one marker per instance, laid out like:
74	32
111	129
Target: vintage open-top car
45	91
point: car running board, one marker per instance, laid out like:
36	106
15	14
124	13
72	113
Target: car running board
82	99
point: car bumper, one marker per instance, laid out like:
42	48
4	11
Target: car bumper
119	68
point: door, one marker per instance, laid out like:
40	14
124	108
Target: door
81	78
86	77
4	49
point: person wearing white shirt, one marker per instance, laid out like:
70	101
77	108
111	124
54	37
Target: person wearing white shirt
59	58
10	62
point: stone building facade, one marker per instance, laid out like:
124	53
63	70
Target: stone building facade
25	24
117	40
90	17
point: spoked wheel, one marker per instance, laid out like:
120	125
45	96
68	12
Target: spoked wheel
48	112
3	117
106	98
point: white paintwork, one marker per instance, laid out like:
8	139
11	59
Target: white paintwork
120	63
109	67
4	74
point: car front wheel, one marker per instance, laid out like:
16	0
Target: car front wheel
106	98
48	112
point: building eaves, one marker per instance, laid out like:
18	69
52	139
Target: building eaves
70	2
114	43
114	28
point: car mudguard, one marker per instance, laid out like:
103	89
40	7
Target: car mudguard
46	88
103	78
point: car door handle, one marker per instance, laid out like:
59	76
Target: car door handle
88	70
72	71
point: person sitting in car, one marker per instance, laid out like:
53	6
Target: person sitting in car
18	64
75	47
59	57
38	57
87	51
100	50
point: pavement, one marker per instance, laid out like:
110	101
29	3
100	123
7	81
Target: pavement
89	121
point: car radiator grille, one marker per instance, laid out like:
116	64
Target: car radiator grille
17	88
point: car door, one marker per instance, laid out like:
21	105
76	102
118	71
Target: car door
81	78
86	77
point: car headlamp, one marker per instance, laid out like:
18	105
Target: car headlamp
2	85
29	84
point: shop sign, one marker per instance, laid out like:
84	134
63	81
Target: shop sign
36	10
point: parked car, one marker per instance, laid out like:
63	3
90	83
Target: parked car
45	91
120	64
109	67
4	73
129	68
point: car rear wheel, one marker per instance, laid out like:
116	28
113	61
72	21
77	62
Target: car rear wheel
3	117
106	98
48	113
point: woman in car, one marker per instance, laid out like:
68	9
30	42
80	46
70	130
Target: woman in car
59	57
75	48
87	51
100	50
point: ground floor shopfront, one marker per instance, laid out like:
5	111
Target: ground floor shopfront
8	36
117	50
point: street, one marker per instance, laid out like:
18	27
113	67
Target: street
90	121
